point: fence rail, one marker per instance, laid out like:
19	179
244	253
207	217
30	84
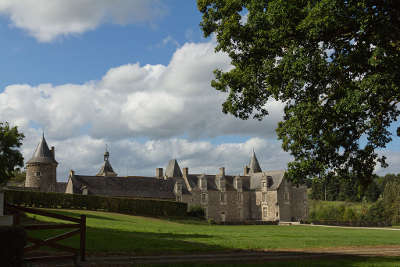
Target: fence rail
37	243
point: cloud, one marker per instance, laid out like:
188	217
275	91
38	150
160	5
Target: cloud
147	114
48	19
393	159
151	101
171	40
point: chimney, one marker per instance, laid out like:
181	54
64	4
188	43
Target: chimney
159	172
246	170
222	171
52	150
185	171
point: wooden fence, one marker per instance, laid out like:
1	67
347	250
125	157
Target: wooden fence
78	223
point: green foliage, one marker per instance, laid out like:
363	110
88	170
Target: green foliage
347	188
10	156
18	177
342	213
391	200
334	64
196	211
89	202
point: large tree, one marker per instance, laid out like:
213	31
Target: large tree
10	156
334	64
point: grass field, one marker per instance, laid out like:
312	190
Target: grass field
117	233
345	262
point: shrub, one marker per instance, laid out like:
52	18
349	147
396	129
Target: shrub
196	211
149	207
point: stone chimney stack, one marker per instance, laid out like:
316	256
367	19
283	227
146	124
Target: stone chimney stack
246	170
222	171
159	173
53	152
185	172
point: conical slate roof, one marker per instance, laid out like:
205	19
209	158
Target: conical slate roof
254	165
106	169
173	169
42	153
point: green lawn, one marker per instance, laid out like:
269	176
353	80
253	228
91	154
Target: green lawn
325	262
117	233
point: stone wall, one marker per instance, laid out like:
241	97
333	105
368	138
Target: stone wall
46	180
292	202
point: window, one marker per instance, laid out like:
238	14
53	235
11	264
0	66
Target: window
38	174
265	211
264	184
286	196
222	197
203	197
264	197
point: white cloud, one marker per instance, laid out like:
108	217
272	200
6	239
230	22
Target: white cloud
48	19
152	101
173	107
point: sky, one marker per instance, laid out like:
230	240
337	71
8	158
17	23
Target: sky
133	75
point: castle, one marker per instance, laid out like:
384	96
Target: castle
254	196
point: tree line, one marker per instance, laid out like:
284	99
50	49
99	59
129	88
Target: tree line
335	188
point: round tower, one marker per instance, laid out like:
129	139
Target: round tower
41	169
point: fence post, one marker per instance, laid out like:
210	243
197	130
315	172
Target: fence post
83	237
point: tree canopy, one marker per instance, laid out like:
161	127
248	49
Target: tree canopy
10	156
334	64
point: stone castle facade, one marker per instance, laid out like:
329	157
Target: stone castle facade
254	196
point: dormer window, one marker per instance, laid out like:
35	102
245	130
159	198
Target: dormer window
203	183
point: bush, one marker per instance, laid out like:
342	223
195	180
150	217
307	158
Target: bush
196	211
12	243
149	207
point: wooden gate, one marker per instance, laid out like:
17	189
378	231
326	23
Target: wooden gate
73	253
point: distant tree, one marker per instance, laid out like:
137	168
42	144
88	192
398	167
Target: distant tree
18	177
334	64
10	156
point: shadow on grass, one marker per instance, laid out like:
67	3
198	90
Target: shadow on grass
106	240
317	261
80	212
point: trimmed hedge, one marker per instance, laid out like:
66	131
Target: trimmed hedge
133	206
12	243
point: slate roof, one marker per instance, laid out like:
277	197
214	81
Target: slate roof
42	153
277	178
254	165
173	169
106	169
142	187
193	180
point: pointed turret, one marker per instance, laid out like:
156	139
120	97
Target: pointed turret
254	165
41	169
173	169
42	153
106	169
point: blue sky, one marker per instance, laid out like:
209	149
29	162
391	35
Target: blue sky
131	74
